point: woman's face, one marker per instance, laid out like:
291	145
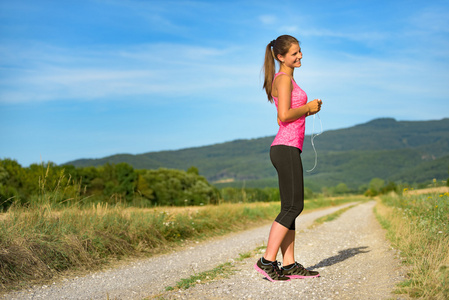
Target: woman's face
293	57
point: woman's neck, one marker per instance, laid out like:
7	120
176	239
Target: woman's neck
286	70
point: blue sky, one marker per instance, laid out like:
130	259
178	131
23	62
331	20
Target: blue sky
88	79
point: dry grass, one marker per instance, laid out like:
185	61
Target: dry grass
432	190
38	243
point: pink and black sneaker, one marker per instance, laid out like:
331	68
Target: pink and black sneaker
298	271
270	270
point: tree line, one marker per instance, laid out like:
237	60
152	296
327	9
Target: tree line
115	183
121	183
110	183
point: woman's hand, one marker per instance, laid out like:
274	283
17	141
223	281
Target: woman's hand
314	106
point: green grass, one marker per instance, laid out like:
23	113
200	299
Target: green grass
329	217
221	271
242	256
418	226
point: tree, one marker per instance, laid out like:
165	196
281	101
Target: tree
341	188
389	187
176	187
193	170
143	188
119	180
375	187
7	193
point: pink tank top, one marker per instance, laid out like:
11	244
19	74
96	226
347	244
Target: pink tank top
292	133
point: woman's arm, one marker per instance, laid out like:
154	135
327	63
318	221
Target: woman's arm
284	87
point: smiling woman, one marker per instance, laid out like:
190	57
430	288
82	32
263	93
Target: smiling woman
285	153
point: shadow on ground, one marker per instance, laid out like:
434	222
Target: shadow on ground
341	256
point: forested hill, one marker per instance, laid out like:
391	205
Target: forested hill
404	151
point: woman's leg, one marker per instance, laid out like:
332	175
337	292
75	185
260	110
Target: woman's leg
288	248
275	240
281	237
287	161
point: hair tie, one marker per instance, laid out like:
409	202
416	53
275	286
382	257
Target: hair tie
272	43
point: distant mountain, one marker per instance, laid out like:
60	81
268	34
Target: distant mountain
406	151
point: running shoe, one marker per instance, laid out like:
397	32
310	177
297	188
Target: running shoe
298	271
270	270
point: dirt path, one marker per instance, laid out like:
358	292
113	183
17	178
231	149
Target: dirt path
351	254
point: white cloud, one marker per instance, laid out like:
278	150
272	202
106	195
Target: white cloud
363	36
431	20
268	19
290	29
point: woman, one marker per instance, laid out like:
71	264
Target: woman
292	107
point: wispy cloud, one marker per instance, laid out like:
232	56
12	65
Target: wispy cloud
431	20
170	70
363	36
268	19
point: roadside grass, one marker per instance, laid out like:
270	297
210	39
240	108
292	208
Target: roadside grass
222	271
330	217
417	225
41	242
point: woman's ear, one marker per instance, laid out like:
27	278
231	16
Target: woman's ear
280	58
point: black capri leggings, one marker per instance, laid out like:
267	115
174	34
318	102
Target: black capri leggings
287	161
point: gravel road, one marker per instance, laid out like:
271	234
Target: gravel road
351	253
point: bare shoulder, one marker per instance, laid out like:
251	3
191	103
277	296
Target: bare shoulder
283	81
282	84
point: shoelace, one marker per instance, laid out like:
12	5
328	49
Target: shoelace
275	265
300	266
297	265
